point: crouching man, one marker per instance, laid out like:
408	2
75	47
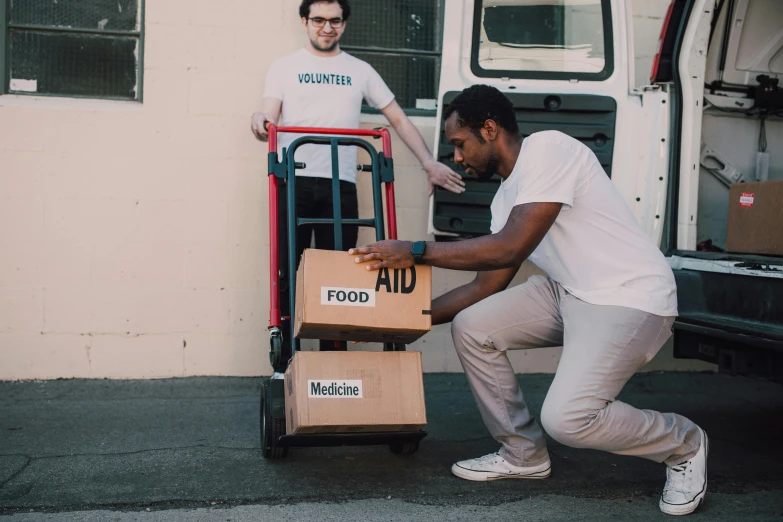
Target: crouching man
610	300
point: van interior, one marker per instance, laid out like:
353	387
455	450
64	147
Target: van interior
742	125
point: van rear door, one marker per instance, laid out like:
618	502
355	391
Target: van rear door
714	60
566	65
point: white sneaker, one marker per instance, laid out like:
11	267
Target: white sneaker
495	467
686	484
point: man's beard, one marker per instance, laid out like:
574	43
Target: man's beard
489	172
318	46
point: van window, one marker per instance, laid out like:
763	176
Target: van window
542	39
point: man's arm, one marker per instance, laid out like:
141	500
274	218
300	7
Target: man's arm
526	227
447	306
270	111
438	173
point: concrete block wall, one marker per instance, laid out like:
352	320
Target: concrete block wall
134	236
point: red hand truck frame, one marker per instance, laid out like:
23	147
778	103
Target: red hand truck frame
274	225
274	441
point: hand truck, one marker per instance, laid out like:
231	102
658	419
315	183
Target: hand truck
283	344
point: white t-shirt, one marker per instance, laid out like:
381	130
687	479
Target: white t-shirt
319	91
595	248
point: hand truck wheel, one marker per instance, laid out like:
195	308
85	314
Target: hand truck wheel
275	348
404	448
271	428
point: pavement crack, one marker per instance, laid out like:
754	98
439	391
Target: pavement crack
17	472
137	452
228	399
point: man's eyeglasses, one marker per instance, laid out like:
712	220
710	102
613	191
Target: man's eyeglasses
335	23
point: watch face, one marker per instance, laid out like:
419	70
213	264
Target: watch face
417	250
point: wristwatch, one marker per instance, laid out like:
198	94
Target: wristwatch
417	250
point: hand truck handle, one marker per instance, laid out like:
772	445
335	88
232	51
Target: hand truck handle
274	267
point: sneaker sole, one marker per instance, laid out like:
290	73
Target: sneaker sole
693	505
484	476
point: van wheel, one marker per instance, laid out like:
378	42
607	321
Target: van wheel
271	428
404	448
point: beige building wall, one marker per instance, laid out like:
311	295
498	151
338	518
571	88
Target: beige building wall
134	236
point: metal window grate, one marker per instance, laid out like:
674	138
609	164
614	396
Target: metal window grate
409	77
80	48
118	15
401	40
396	24
75	64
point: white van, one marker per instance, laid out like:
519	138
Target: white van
672	147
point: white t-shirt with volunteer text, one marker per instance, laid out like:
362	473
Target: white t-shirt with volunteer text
319	91
595	248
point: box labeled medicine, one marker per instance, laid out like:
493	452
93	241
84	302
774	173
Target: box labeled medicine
354	392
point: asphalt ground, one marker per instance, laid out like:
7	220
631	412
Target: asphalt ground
188	449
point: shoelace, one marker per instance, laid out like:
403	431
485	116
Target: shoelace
682	468
489	457
678	478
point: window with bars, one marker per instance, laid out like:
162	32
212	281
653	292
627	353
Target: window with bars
401	39
74	48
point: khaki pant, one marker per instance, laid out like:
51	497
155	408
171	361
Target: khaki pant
602	348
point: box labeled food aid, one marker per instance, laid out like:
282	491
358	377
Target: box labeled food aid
354	392
755	218
338	299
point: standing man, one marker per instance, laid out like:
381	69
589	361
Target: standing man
610	301
322	86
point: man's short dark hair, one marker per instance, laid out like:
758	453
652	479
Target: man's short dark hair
304	7
479	103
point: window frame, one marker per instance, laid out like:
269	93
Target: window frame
5	52
608	70
437	54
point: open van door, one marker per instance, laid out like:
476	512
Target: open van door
722	63
566	65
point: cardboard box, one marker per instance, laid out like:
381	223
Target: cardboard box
755	218
340	300
353	392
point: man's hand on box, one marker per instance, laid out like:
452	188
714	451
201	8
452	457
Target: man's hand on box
384	254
